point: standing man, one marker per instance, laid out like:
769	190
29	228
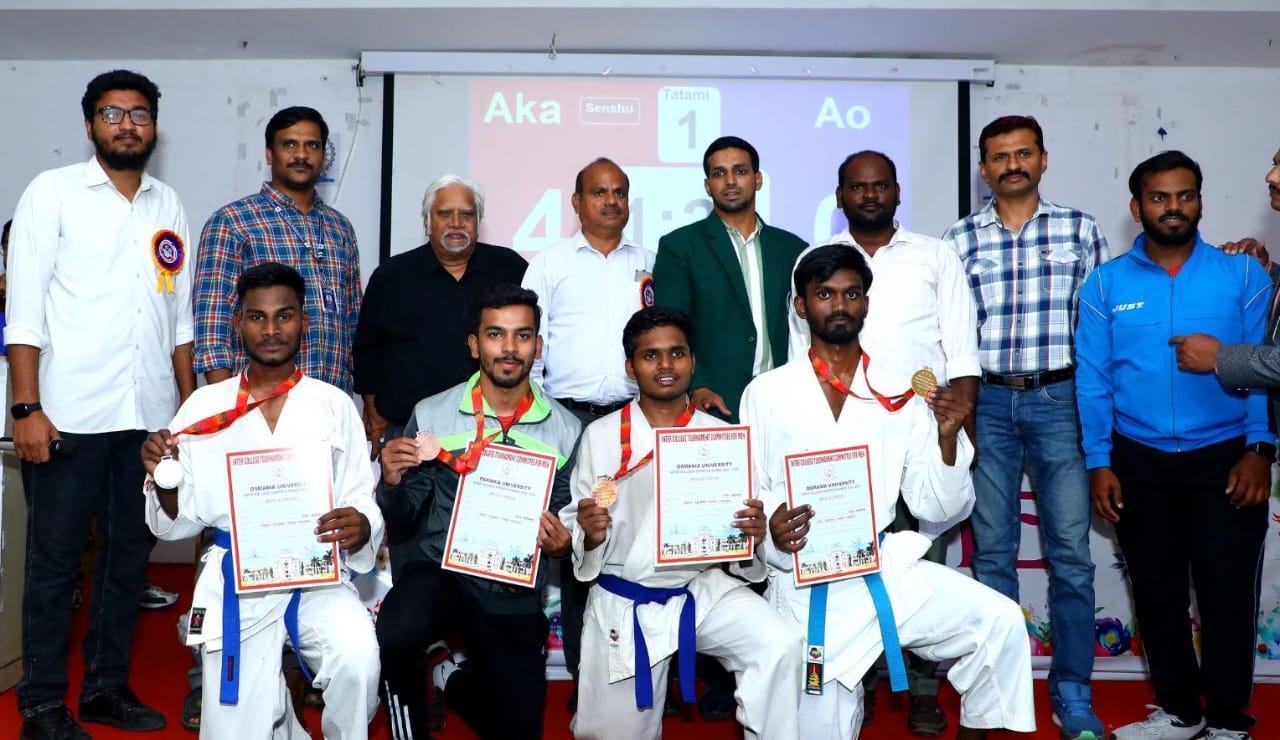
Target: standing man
500	691
915	448
1174	457
99	334
616	542
588	286
411	340
282	408
729	272
286	222
922	316
1026	259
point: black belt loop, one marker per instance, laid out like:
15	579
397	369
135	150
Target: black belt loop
595	409
1029	381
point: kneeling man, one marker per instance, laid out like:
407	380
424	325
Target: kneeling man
637	614
271	407
913	447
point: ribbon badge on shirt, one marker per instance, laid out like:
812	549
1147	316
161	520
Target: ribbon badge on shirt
169	254
646	289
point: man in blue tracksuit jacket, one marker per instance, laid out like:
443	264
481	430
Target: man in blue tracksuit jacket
1181	464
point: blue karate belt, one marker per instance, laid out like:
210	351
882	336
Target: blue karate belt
884	614
229	690
686	640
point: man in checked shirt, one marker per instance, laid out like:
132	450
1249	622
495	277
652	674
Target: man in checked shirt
287	222
1026	259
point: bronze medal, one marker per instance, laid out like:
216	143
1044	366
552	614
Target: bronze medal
428	446
924	381
604	491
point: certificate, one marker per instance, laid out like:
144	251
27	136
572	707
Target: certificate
277	496
493	532
842	534
703	476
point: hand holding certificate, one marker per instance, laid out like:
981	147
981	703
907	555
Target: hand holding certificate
497	516
703	476
842	534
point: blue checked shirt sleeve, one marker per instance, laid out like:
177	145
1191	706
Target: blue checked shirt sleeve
217	268
1095	388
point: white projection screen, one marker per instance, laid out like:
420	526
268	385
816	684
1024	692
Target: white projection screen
523	139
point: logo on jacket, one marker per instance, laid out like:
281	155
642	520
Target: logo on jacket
1127	306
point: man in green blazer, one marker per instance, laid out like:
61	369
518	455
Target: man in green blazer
730	272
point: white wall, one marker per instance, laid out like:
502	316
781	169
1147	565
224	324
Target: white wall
1100	122
212	116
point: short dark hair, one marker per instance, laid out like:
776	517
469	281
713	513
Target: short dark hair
4	234
1162	162
824	262
730	142
501	295
269	275
286	117
119	79
893	168
1007	125
577	181
652	317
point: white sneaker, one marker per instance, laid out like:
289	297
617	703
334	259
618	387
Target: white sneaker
1159	725
154	597
1215	733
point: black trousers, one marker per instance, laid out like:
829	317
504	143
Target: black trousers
1177	530
501	690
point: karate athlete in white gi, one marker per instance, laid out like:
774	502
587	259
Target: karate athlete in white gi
282	408
614	542
918	451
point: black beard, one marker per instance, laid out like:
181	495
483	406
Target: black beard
1159	234
266	362
869	223
739	207
845	334
124	160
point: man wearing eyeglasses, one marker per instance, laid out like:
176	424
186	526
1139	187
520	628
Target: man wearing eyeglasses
99	334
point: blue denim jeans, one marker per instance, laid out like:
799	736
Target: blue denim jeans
64	497
1038	429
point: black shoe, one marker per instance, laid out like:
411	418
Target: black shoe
671	705
119	707
52	724
925	717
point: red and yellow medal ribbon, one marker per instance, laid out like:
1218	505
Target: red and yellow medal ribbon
469	460
891	403
222	420
625	437
169	255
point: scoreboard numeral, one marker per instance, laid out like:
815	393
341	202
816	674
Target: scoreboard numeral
688	120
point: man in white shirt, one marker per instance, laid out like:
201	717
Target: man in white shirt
99	334
615	543
588	286
272	406
922	316
837	398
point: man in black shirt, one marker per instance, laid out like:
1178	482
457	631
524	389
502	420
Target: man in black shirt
411	340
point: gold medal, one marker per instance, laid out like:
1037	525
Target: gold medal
924	381
428	446
604	491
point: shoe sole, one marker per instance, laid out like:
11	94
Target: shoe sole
111	722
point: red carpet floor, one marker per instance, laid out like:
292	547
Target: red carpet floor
160	665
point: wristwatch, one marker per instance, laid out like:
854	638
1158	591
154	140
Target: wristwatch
1264	450
23	410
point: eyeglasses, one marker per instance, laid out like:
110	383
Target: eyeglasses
111	115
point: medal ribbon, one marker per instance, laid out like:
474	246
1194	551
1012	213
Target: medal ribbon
469	460
220	421
625	434
891	403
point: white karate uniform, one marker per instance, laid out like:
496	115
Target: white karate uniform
940	613
733	624
335	630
